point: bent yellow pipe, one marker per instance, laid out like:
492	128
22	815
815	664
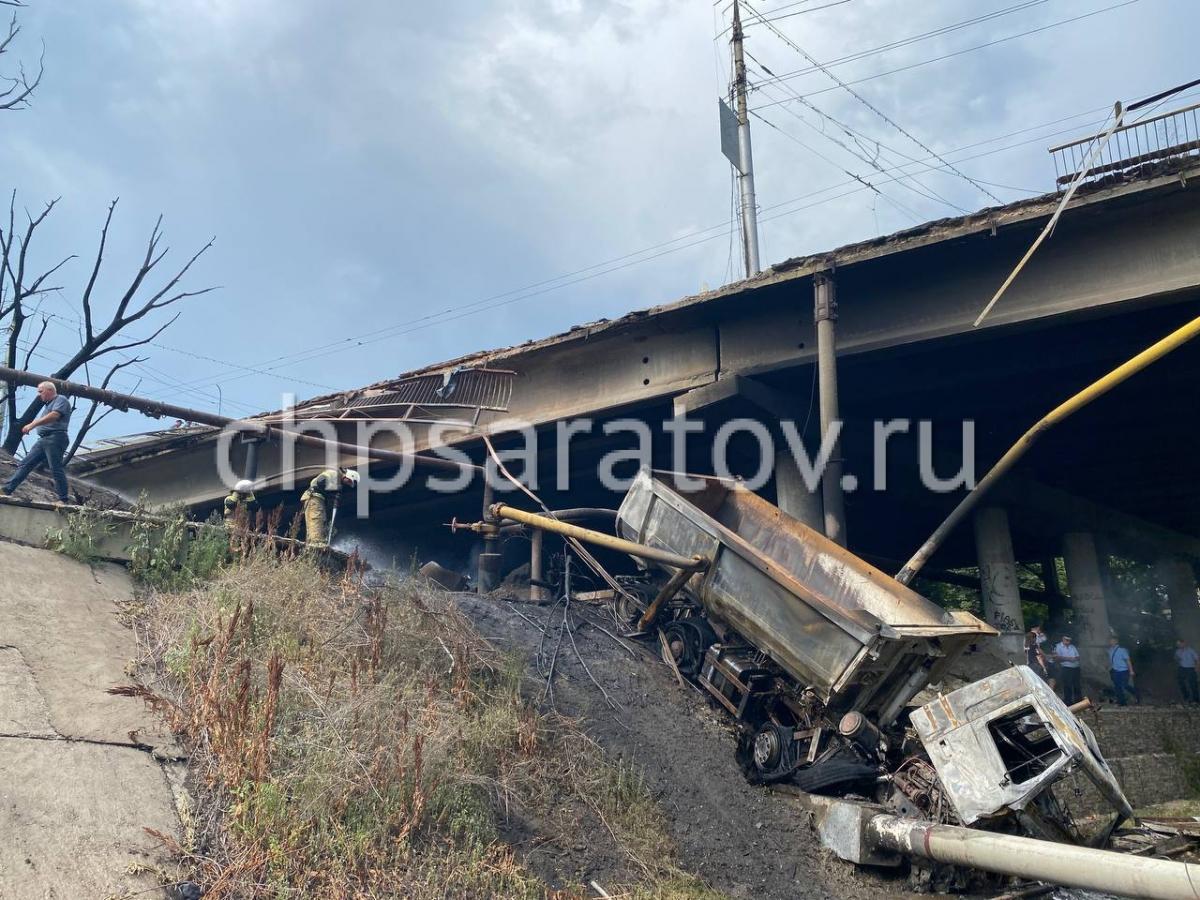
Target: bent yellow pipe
1096	389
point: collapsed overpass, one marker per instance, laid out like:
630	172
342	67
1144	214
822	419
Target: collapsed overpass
1122	269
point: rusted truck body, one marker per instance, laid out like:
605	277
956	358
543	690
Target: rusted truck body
817	655
851	634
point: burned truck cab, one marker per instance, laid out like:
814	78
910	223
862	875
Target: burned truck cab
1001	743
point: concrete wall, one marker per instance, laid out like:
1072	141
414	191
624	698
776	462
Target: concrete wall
1146	749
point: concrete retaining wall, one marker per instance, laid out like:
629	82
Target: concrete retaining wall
1148	749
28	522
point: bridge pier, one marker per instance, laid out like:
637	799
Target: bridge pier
998	577
1179	578
1086	583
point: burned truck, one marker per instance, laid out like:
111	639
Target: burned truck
818	656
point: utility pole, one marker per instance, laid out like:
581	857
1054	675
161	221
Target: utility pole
745	162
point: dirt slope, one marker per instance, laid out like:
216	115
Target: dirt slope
744	841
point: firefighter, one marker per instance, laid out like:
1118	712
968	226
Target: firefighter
241	502
323	489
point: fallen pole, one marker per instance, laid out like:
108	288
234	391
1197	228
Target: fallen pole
599	538
157	409
1006	854
1097	388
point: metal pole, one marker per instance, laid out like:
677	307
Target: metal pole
156	409
537	593
745	155
489	558
1098	388
825	314
600	539
1080	867
669	590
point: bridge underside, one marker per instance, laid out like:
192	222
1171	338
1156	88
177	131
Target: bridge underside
1121	271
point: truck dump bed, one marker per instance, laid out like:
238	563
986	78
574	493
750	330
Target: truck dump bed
852	634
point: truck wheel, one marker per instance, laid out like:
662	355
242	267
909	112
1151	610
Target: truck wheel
687	639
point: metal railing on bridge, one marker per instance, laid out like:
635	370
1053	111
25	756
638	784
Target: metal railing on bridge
1164	138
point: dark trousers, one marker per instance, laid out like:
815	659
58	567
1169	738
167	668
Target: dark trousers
48	451
1071	686
1120	682
1188	685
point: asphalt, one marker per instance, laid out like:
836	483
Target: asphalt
83	773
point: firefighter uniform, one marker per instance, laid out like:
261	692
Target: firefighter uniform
322	490
244	504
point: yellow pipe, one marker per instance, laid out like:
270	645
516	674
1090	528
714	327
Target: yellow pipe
1096	389
665	557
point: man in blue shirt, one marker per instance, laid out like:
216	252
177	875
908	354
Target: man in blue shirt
51	444
1120	668
1187	661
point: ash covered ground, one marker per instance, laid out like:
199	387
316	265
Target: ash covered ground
744	841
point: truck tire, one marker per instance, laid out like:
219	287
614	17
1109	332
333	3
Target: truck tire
834	772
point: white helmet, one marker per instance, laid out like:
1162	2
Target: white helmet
351	476
245	486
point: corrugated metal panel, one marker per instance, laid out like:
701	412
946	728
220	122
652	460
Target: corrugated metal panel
474	388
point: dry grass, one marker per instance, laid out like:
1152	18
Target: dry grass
354	741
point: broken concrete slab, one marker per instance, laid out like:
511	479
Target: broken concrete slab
73	816
62	616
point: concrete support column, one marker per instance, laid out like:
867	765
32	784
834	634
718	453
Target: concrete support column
792	494
250	473
1086	584
825	313
998	578
1178	577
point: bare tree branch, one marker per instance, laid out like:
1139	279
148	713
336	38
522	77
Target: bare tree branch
87	291
21	86
96	340
117	347
90	421
37	340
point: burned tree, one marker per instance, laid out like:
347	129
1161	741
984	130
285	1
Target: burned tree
16	89
22	293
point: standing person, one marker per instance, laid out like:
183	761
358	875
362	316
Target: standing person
51	444
1067	655
1187	661
1120	668
326	488
1051	667
1033	656
241	503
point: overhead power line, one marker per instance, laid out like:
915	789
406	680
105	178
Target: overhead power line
861	154
912	39
956	53
868	104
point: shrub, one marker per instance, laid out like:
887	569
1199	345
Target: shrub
80	533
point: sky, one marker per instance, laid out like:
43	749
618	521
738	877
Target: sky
390	184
